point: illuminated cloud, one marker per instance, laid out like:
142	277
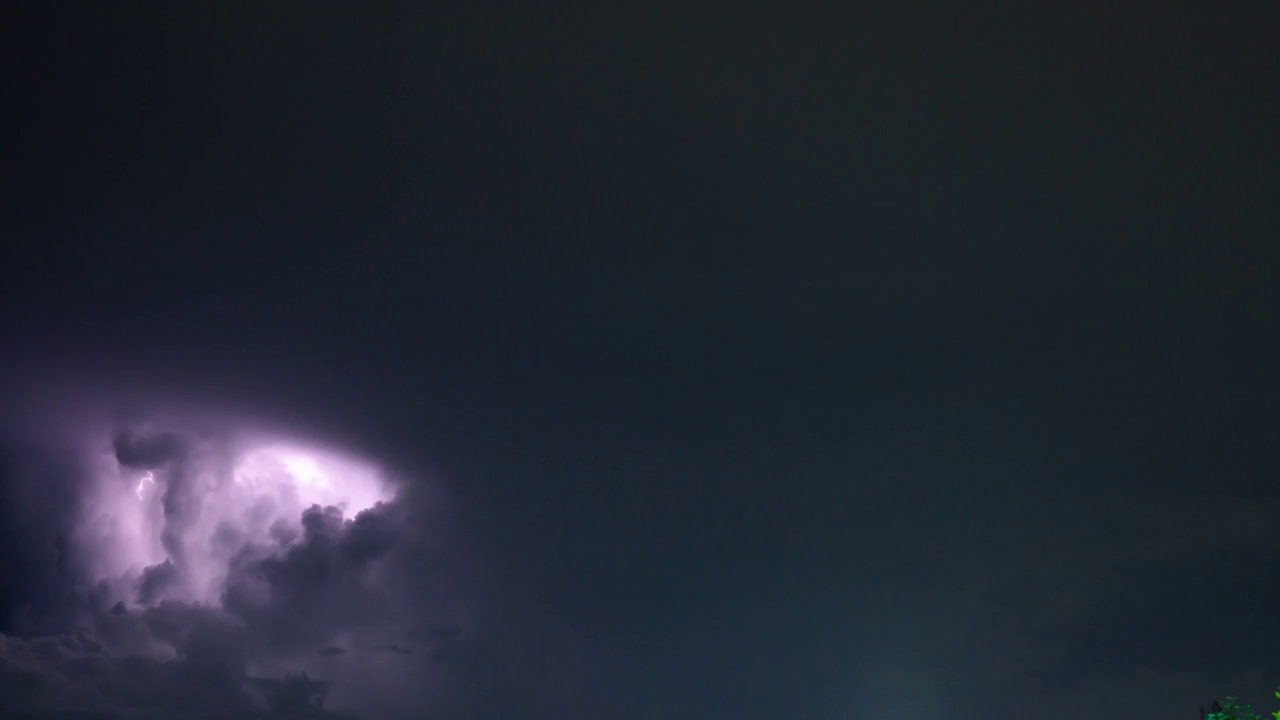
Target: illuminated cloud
214	560
173	510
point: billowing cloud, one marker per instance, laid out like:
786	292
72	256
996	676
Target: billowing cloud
196	566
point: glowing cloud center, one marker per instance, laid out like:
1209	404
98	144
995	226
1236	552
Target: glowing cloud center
174	529
314	478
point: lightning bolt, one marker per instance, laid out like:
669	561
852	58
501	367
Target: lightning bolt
148	478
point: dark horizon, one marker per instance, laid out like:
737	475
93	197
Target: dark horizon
792	362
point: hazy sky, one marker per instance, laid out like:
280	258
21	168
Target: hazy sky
767	362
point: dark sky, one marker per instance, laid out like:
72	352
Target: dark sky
801	360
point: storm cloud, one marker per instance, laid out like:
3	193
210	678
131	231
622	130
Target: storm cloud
197	668
201	569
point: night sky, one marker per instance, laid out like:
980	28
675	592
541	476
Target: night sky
764	361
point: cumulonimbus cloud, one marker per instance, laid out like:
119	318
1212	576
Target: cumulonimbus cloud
208	564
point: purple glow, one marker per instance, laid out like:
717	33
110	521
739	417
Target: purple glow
196	510
181	519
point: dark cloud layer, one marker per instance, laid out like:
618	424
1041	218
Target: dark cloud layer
79	675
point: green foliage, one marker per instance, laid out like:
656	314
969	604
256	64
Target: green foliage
1229	710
